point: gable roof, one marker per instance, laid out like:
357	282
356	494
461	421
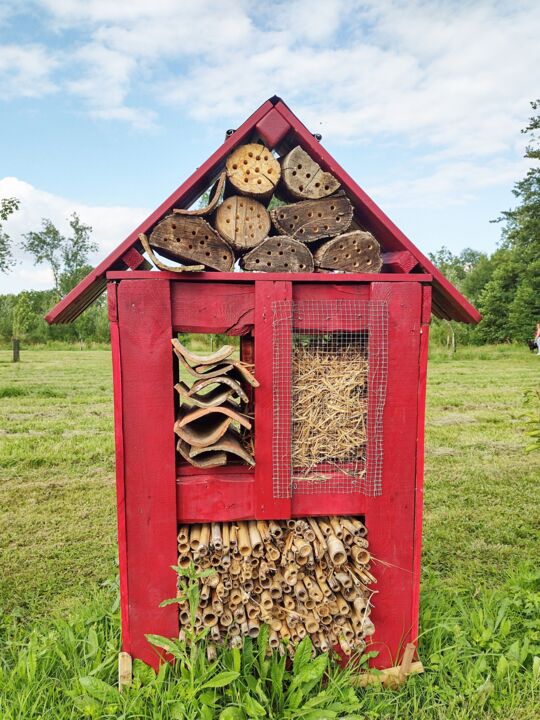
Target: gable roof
281	130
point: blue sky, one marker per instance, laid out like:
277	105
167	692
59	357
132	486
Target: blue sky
107	105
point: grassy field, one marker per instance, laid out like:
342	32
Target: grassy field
481	583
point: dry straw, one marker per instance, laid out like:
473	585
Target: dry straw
329	407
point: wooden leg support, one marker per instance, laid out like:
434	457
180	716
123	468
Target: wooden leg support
394	676
125	675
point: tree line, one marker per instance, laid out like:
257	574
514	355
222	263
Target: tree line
503	285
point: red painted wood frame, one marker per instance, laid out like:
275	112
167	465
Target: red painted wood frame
155	492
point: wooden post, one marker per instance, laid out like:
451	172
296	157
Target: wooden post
148	469
16	346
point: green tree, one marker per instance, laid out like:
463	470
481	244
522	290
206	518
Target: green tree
67	257
7	207
510	300
22	317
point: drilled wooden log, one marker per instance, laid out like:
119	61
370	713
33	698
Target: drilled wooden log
242	222
191	239
313	219
163	266
279	254
303	179
252	170
355	251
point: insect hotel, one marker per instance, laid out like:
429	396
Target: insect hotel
287	454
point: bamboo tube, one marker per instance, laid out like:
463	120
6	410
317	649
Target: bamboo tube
216	541
275	530
273	639
266	600
275	590
194	534
312	625
225	537
360	556
344	579
360	527
300	591
252	610
361	542
240	614
215	633
255	539
336	527
337	552
233	536
291	524
343	605
291	574
204	539
209	617
244	544
288	603
302	548
325	527
205	592
184	617
253	628
272	552
236	567
226	561
211	653
184	561
313	589
183	534
300	631
264	531
236	641
183	547
226	618
235	596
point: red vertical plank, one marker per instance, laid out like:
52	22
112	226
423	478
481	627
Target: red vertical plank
419	489
144	313
119	447
390	517
266	506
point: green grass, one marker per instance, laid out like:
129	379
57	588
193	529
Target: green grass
480	617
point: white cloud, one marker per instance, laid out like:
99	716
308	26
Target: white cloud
25	71
451	80
110	226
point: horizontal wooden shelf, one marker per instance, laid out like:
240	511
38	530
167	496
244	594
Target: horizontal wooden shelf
268	277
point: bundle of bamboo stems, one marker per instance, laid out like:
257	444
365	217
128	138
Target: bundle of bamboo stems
304	576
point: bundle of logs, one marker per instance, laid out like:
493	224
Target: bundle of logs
300	577
213	425
310	226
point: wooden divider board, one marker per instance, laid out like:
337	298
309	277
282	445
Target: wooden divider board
145	331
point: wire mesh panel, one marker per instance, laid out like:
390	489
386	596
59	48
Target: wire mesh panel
329	377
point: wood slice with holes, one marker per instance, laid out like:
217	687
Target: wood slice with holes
311	220
253	170
303	179
242	222
356	251
279	254
188	238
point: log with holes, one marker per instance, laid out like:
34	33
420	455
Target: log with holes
246	224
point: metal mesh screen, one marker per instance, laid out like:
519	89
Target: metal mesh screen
329	377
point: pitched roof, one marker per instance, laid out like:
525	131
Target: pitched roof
279	129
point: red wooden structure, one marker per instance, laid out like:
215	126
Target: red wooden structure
155	493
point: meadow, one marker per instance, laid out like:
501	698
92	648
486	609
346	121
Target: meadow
59	624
